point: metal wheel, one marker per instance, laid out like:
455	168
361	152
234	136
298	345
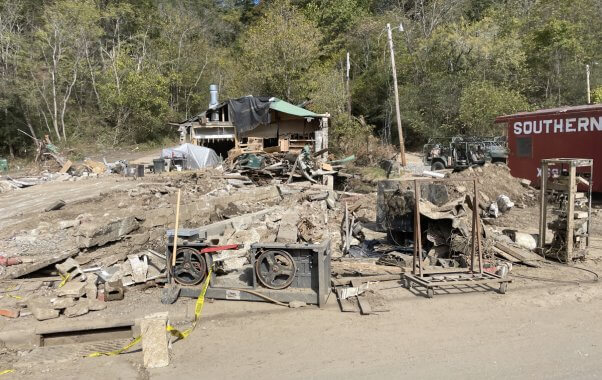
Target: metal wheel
503	287
275	269
437	165
430	292
190	268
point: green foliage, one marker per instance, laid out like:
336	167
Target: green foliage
278	51
482	102
113	72
597	95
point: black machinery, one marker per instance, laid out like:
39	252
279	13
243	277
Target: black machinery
283	272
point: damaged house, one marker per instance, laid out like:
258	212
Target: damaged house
255	124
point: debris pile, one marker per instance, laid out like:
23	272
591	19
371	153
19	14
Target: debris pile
261	168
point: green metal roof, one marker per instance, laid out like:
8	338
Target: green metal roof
291	109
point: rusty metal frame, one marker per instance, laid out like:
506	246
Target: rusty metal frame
469	276
571	190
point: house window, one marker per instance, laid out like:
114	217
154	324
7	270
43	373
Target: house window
524	147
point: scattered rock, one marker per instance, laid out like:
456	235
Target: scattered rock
296	304
80	308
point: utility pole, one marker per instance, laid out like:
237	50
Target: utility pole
348	86
402	154
589	93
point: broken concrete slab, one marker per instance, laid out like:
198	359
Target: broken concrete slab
91	287
155	349
55	206
140	239
22	270
80	308
139	268
287	233
42	314
72	289
98	234
62	302
95	304
64	224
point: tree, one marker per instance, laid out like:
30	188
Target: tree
59	45
482	102
278	51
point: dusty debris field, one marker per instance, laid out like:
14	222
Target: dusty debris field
548	314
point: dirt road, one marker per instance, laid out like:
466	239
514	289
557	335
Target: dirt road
537	330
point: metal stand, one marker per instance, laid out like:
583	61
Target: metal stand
437	279
571	238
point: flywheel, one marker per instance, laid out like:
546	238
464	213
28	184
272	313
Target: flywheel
190	267
275	269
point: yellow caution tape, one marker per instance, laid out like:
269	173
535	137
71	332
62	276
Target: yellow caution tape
6	371
15	297
116	352
200	302
65	278
198	309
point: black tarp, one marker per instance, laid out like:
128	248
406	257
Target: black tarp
248	112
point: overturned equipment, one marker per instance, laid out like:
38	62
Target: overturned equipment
278	272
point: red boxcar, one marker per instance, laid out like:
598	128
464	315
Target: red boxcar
567	132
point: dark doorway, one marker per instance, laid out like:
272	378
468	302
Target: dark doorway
220	147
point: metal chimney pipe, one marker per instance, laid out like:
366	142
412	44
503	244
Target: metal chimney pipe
213	101
213	95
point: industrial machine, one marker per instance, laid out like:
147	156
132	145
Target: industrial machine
277	271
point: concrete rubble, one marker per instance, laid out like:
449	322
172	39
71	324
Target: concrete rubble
115	248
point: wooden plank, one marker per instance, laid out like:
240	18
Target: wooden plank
66	167
505	256
526	257
362	279
365	308
346	305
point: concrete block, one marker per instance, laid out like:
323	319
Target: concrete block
72	289
113	291
155	350
71	268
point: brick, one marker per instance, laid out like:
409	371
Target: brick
9	312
